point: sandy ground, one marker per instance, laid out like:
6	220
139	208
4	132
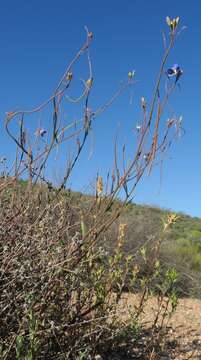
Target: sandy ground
184	327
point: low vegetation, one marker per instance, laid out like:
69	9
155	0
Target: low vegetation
60	287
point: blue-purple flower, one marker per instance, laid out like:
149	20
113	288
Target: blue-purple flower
138	128
2	160
40	132
174	71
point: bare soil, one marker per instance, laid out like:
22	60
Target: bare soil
184	326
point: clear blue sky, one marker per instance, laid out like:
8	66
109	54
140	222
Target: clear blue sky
39	38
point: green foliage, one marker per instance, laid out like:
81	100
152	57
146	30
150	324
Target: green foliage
180	248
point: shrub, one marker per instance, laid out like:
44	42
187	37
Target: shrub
60	289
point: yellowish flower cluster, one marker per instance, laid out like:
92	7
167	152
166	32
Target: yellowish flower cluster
171	219
121	234
99	186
